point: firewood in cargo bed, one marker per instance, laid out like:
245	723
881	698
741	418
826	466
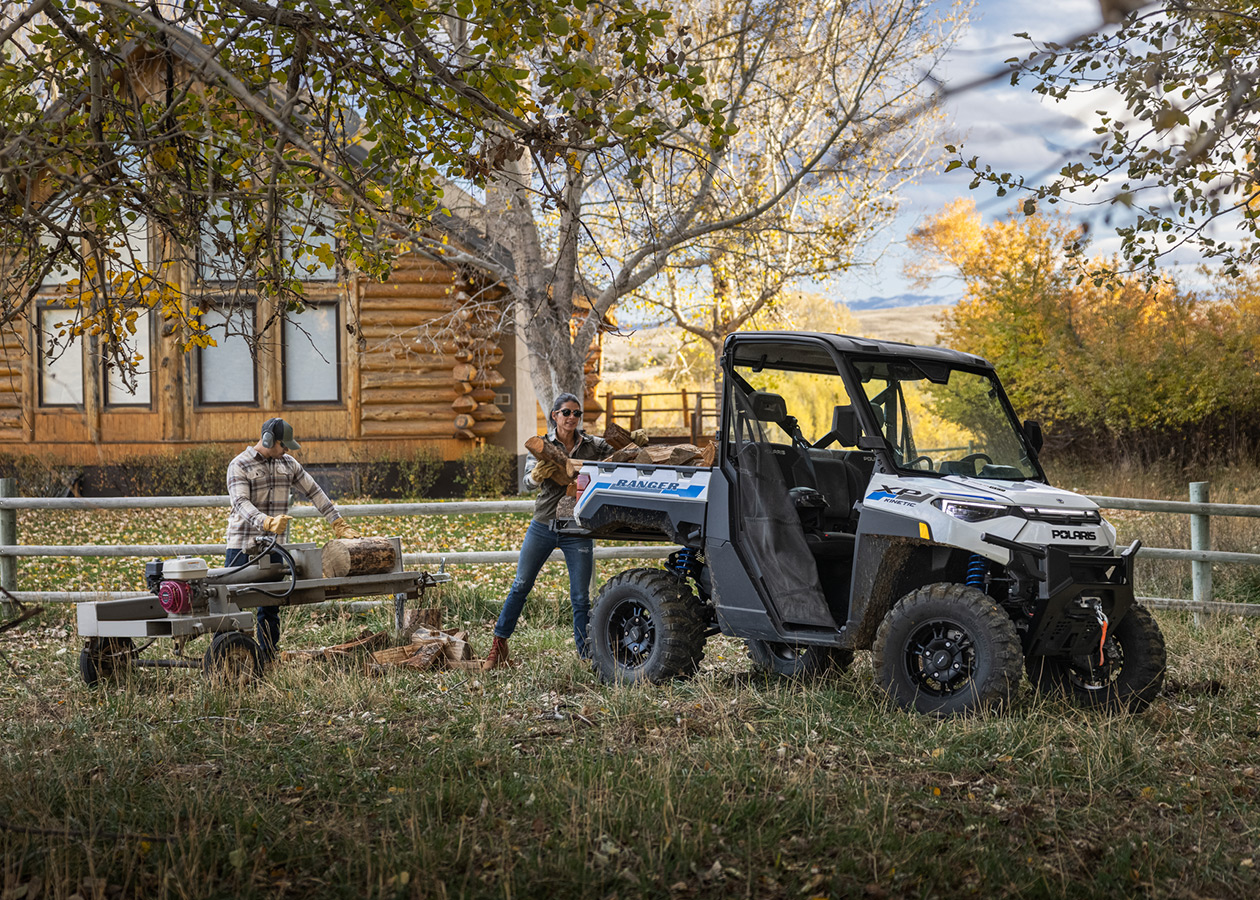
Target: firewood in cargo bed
617	436
675	455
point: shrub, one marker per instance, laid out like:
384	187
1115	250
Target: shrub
418	472
410	477
197	471
486	472
37	477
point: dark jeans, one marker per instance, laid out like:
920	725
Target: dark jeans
267	628
579	556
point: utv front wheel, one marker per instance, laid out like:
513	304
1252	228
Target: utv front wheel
646	625
947	649
797	661
1127	672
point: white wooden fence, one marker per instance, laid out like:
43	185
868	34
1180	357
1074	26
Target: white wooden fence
1200	555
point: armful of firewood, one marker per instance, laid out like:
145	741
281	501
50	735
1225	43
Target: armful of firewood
544	450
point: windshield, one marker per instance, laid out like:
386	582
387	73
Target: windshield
945	421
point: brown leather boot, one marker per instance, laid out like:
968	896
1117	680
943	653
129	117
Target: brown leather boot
498	655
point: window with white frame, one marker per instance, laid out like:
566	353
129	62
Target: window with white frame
60	360
312	355
135	388
226	370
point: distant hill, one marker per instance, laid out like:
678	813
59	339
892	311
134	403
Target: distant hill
908	324
899	300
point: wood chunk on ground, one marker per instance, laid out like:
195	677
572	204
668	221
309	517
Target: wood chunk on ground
365	642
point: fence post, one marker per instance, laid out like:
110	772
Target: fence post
1200	539
8	535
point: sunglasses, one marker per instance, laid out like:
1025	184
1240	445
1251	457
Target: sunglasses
568	412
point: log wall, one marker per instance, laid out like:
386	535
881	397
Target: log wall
427	356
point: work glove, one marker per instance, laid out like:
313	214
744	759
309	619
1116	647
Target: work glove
543	470
276	524
343	529
639	437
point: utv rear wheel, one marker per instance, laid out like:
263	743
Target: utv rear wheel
646	625
1129	674
947	649
797	661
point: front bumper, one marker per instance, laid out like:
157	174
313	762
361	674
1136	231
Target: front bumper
1069	587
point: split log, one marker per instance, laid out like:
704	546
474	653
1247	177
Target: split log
709	455
467	665
392	656
616	435
464	387
677	455
428	657
483	395
464	372
457	650
464	422
543	449
628	453
466	433
358	556
464	404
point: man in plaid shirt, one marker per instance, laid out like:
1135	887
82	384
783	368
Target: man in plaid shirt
259	481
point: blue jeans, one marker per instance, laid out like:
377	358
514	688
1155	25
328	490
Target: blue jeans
579	556
267	627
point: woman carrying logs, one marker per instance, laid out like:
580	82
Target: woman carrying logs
564	433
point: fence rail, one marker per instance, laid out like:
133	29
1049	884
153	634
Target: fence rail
1200	555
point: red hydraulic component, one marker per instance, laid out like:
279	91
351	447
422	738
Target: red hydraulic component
175	597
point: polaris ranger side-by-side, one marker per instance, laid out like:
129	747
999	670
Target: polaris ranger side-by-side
871	495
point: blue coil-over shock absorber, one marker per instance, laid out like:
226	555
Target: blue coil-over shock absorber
683	563
976	570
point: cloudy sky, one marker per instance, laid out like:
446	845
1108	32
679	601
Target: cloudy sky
1007	127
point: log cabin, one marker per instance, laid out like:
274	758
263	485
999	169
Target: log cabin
367	369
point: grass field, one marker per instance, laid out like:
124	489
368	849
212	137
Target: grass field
538	781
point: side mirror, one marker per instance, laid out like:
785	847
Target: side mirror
1032	431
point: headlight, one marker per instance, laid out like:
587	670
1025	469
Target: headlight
972	512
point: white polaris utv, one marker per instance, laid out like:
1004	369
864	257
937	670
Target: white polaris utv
871	495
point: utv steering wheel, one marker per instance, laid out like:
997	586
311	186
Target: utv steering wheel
972	457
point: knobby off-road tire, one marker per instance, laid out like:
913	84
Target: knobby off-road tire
646	625
790	661
947	649
232	659
104	659
1131	674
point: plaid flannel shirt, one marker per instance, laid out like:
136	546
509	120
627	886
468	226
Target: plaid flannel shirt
259	487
